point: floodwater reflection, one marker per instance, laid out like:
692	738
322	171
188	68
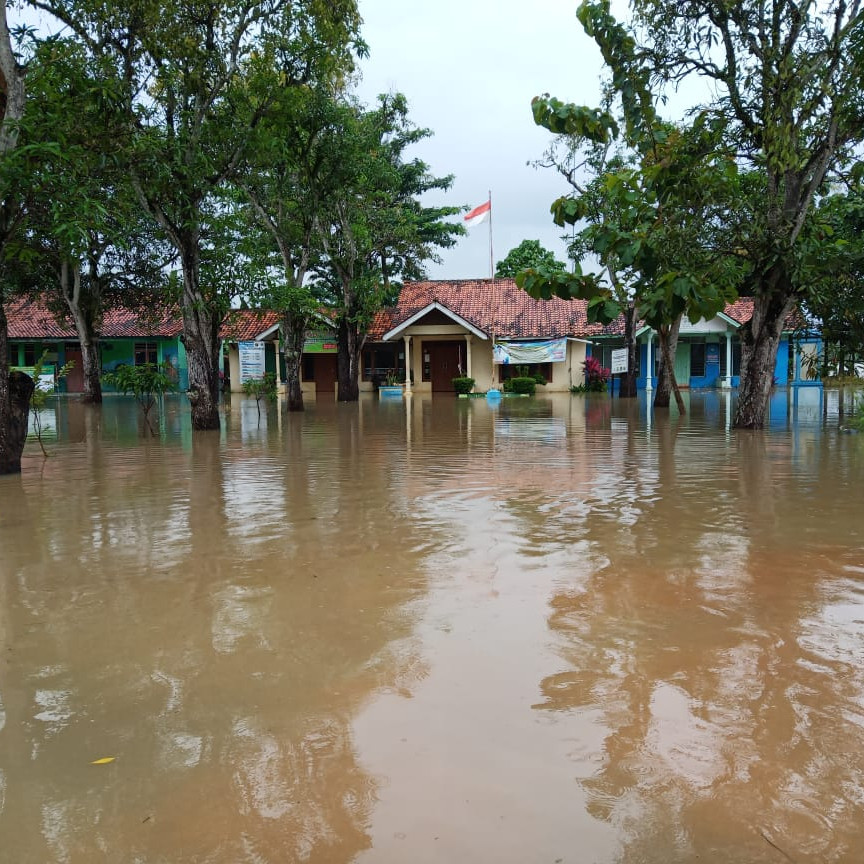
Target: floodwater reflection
559	629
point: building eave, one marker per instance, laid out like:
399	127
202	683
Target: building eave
435	305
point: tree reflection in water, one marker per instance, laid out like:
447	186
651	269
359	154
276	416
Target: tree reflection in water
220	661
731	689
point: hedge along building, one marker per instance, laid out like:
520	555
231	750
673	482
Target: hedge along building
485	329
709	351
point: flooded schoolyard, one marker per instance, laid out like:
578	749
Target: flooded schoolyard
548	630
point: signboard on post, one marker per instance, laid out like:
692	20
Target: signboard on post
251	361
619	361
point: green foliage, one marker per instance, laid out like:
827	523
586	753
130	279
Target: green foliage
261	388
529	254
145	383
833	267
525	385
373	229
463	385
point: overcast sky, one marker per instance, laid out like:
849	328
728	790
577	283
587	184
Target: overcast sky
469	69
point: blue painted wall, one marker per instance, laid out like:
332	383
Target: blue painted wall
712	378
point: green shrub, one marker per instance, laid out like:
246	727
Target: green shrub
539	379
463	385
523	385
261	388
144	382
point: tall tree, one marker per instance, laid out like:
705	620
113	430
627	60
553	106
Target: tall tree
191	73
283	177
15	388
374	230
660	203
786	78
82	218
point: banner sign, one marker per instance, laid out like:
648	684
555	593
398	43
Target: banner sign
319	342
619	361
547	351
251	361
712	354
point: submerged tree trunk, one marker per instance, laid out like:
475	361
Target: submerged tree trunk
348	361
16	388
627	389
760	338
294	333
666	382
83	304
201	323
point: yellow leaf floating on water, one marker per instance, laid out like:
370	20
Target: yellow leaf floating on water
103	761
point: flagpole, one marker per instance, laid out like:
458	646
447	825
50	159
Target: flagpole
491	266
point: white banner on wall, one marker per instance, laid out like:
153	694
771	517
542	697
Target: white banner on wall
619	361
251	361
547	351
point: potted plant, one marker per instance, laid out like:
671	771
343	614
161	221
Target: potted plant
463	386
393	386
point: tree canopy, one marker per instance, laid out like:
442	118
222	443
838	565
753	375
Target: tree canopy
528	254
783	111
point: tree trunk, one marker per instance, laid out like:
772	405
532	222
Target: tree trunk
16	388
201	323
294	334
760	338
666	382
84	308
627	389
92	372
348	361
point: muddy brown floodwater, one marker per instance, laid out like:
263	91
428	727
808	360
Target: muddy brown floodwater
544	631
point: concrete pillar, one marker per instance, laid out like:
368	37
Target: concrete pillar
467	355
278	364
649	365
727	381
407	363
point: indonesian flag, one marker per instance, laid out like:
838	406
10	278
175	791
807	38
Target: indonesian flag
478	214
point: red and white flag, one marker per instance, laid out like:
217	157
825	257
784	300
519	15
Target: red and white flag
478	214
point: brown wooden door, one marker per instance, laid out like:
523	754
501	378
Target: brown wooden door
75	378
325	374
444	358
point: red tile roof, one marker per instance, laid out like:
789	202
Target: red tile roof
499	308
30	319
243	325
495	306
742	311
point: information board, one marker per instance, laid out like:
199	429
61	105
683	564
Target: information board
251	361
619	361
